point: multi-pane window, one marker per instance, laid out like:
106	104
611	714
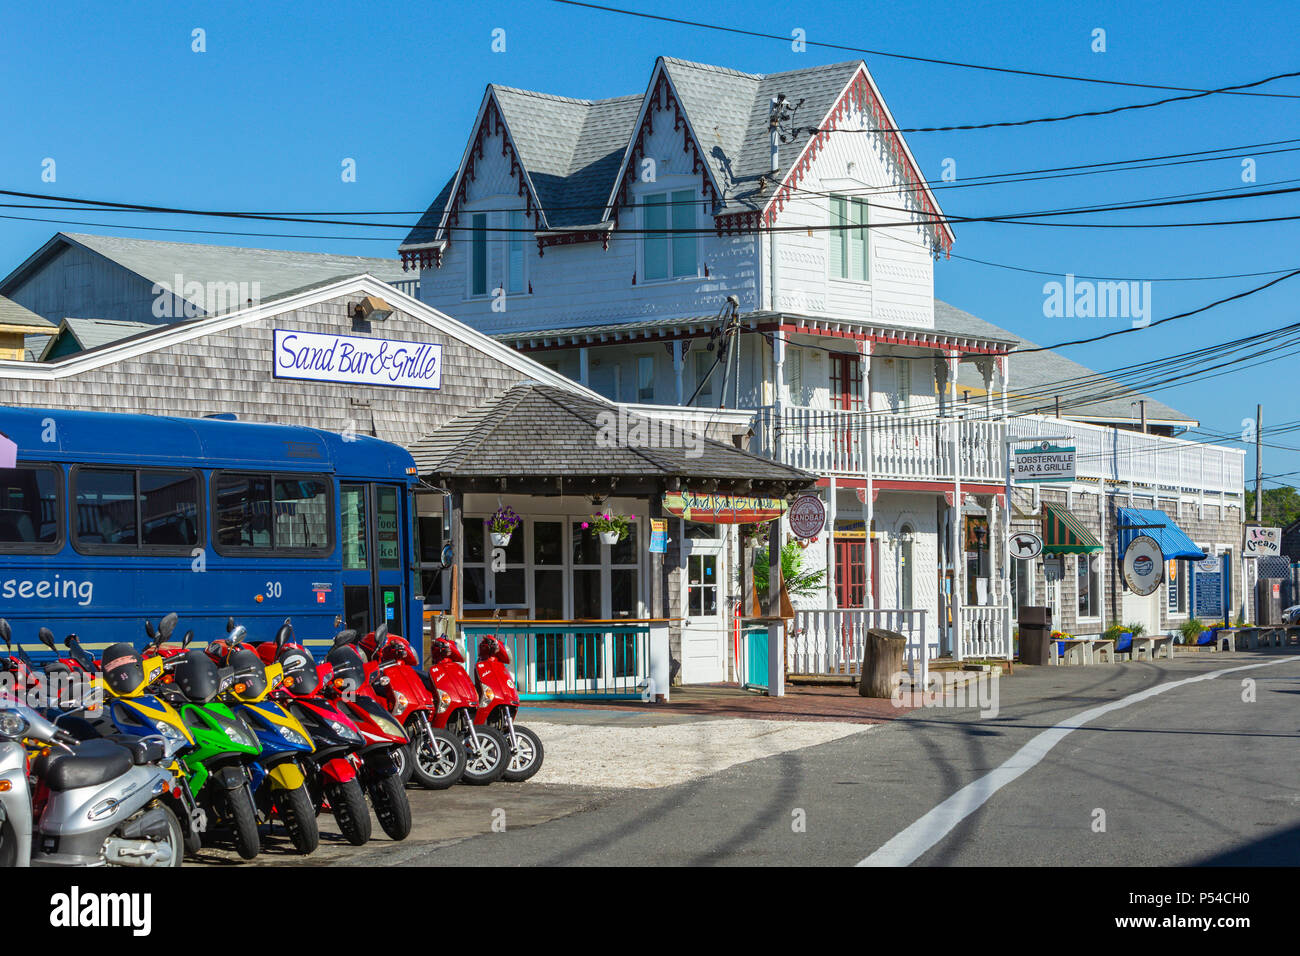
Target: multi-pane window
29	507
670	245
702	585
848	239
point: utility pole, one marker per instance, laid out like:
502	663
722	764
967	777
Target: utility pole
1144	416
1259	471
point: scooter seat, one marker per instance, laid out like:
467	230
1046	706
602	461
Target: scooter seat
143	750
90	763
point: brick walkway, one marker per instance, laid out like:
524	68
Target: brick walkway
835	702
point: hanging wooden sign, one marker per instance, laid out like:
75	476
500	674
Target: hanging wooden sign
708	508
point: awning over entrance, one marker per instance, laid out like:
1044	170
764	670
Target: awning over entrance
1063	533
1173	541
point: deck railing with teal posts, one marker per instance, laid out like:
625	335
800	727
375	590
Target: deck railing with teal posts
575	659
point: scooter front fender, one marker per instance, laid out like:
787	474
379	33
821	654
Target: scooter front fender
338	769
286	776
16	803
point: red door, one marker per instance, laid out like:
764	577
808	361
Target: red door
846	396
850	573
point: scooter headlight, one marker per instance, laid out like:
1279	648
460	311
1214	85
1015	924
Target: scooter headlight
12	725
241	736
295	738
344	731
444	701
169	733
487	697
399	701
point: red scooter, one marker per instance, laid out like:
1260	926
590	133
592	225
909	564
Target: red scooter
434	757
499	705
486	750
334	784
376	761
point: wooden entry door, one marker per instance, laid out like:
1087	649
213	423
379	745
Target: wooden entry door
850	573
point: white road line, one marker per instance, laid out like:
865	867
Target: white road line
905	847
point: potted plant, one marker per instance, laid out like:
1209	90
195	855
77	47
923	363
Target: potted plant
502	525
1192	628
794	579
612	528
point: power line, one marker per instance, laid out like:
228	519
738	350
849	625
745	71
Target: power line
902	56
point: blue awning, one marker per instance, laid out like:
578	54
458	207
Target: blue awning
1173	541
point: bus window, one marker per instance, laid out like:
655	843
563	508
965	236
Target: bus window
105	507
265	512
169	508
355	557
29	508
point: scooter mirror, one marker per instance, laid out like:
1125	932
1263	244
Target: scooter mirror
5	630
148	629
167	625
283	635
230	624
47	637
381	635
189	636
344	637
238	634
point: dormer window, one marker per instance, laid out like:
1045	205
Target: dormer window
670	246
478	245
849	255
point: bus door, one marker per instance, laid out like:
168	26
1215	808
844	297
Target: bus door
373	575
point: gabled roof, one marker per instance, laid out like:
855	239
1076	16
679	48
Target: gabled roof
576	153
531	423
1033	375
15	317
274	271
92	333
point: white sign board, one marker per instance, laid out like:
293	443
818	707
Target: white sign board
1144	565
1262	542
807	516
8	453
1045	462
1024	545
357	360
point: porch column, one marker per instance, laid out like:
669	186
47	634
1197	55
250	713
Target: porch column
986	370
458	547
679	362
657	608
831	495
775	626
865	349
778	397
584	377
1003	364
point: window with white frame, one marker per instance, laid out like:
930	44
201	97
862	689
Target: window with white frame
849	257
1088	576
702	585
904	367
516	261
670	246
645	378
478	254
703	366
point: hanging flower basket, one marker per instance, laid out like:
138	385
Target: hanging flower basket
502	525
612	528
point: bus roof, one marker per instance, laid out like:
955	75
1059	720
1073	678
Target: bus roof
77	436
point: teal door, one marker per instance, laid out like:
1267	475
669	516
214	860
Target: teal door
373	576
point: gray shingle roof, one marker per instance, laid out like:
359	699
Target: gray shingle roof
1034	374
11	313
275	271
92	333
537	430
573	149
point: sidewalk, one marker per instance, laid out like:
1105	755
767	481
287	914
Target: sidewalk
838	702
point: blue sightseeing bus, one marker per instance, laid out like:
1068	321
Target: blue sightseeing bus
110	519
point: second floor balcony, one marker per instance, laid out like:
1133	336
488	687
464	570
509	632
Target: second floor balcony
910	448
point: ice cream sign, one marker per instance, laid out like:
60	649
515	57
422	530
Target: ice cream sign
1262	542
356	360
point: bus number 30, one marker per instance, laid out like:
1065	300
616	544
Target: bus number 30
273	589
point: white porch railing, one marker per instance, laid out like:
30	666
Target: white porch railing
983	632
833	442
831	642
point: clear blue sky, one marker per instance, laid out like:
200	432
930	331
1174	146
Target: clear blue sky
285	91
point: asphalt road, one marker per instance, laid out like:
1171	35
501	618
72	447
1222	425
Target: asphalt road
1192	774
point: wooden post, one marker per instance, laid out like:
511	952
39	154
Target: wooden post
457	546
657	609
775	627
747	550
882	663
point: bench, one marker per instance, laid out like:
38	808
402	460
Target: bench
1153	645
1102	646
1071	650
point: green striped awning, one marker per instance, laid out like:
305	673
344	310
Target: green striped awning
1063	533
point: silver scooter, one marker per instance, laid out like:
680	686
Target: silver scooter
103	807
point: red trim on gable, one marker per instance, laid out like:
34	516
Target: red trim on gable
860	96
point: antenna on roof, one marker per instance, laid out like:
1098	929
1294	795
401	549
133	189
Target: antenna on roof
779	114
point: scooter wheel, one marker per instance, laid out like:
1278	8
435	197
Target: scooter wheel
391	806
436	762
527	759
488	763
402	755
242	819
348	802
299	818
